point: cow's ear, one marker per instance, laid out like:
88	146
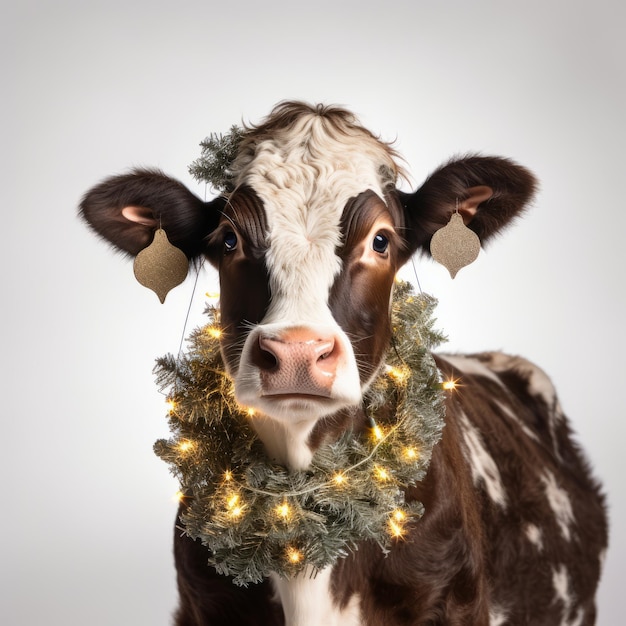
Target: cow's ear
127	209
489	192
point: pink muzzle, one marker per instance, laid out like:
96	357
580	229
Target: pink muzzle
298	361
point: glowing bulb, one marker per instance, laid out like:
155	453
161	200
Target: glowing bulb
228	475
283	510
411	454
339	479
185	446
179	496
399	515
381	473
234	505
398	374
214	331
171	405
250	412
294	555
378	432
449	385
395	529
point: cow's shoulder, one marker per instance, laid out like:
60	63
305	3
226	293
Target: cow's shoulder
502	391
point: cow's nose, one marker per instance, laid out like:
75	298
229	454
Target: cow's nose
298	361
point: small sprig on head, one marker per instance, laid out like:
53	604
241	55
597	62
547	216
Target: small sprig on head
214	165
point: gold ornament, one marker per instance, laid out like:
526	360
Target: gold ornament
161	266
455	245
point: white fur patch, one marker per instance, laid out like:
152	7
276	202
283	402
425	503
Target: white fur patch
484	468
307	601
285	443
560	583
534	535
497	616
470	365
539	383
507	411
563	594
559	503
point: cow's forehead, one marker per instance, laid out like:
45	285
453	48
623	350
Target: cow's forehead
305	176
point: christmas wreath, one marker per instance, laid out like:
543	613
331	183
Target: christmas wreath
257	517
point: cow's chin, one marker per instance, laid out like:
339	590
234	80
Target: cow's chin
291	408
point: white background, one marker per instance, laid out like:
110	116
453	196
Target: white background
90	89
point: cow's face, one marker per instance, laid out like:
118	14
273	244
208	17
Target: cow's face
310	234
305	306
307	247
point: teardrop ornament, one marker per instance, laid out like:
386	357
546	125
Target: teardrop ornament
161	266
455	245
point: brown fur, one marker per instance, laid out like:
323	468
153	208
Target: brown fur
469	556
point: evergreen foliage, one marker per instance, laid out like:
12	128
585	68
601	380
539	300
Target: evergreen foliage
257	517
218	153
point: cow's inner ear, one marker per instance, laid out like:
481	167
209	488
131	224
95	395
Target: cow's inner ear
139	215
469	205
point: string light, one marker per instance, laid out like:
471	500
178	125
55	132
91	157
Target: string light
395	524
411	454
171	405
179	496
283	510
339	478
294	555
214	332
234	505
450	384
399	375
236	511
186	446
381	473
228	476
377	432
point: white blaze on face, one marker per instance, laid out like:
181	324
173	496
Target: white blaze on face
304	177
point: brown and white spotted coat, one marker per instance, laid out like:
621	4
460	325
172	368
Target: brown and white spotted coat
307	245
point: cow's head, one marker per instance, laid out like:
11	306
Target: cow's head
307	246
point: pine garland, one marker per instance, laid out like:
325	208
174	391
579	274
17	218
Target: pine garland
217	155
257	517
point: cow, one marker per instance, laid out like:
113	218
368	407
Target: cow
307	242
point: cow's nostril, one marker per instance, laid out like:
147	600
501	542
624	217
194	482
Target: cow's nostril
263	356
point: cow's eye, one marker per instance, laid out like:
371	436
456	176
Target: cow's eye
230	241
380	243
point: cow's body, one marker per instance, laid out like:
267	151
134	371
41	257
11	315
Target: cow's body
307	243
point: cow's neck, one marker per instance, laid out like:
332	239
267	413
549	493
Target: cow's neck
286	443
307	598
307	601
